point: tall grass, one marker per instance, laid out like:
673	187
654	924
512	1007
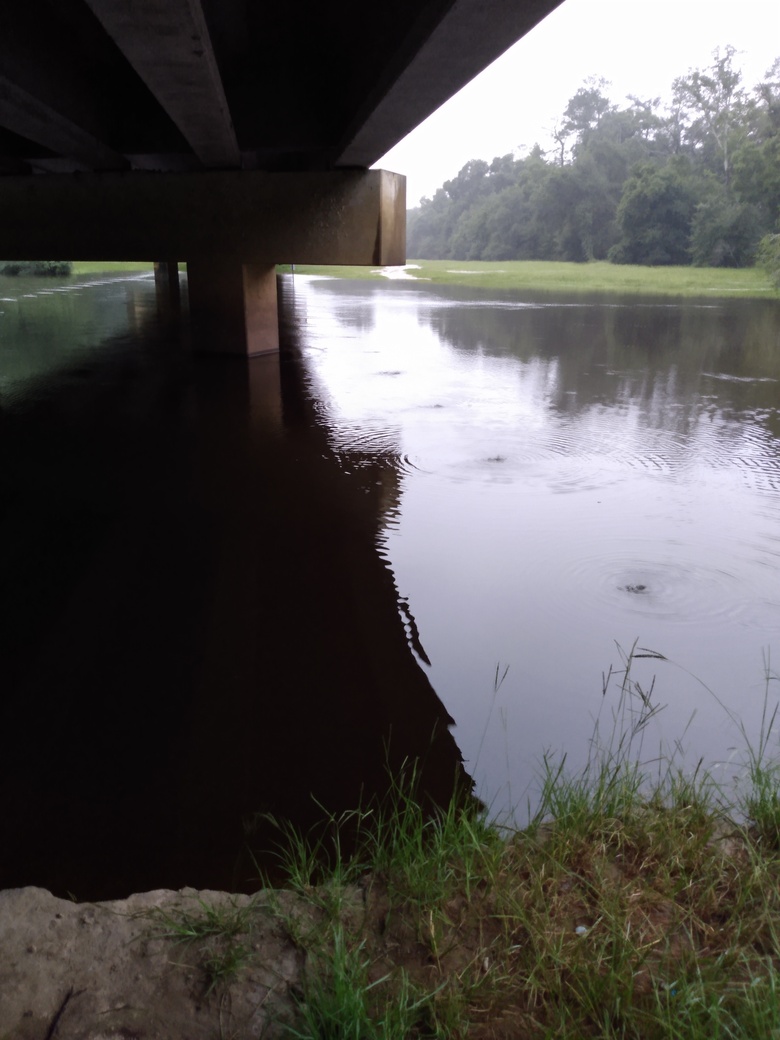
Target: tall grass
639	902
342	1003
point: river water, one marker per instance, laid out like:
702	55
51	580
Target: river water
427	532
577	476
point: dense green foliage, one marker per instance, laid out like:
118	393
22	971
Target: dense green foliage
46	268
697	183
768	257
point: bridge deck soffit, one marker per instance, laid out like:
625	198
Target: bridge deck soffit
169	46
172	85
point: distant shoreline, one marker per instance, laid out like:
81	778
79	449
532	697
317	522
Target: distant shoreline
535	276
552	276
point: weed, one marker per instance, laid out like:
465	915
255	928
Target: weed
761	803
216	928
225	921
222	966
340	1002
318	863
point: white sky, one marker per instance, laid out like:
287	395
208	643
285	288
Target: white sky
639	47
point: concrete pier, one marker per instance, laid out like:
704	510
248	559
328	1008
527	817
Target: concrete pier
230	227
233	307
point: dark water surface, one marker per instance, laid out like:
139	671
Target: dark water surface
227	585
196	626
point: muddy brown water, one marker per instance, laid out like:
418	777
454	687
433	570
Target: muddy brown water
230	589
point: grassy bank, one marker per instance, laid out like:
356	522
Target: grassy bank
535	276
81	267
636	903
619	912
576	278
613	914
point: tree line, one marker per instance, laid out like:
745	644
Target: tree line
45	268
697	182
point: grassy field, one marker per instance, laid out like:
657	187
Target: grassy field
110	266
575	278
536	276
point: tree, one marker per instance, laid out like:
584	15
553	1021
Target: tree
646	121
428	227
578	206
469	185
587	108
45	268
560	134
768	257
506	225
715	103
655	215
756	165
700	182
724	231
502	172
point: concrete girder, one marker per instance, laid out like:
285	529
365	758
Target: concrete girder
168	44
338	217
432	65
304	86
38	122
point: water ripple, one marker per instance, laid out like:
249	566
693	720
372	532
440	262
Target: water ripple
671	586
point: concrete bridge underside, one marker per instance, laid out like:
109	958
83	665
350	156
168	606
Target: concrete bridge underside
228	134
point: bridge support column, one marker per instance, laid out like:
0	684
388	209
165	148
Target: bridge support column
233	307
166	281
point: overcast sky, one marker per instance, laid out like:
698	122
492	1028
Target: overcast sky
640	48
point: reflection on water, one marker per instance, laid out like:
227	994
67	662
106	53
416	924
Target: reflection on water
575	473
195	625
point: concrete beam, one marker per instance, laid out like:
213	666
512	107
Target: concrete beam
341	217
168	44
23	113
432	64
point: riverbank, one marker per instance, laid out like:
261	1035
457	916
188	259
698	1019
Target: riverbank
548	276
619	911
532	275
82	267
